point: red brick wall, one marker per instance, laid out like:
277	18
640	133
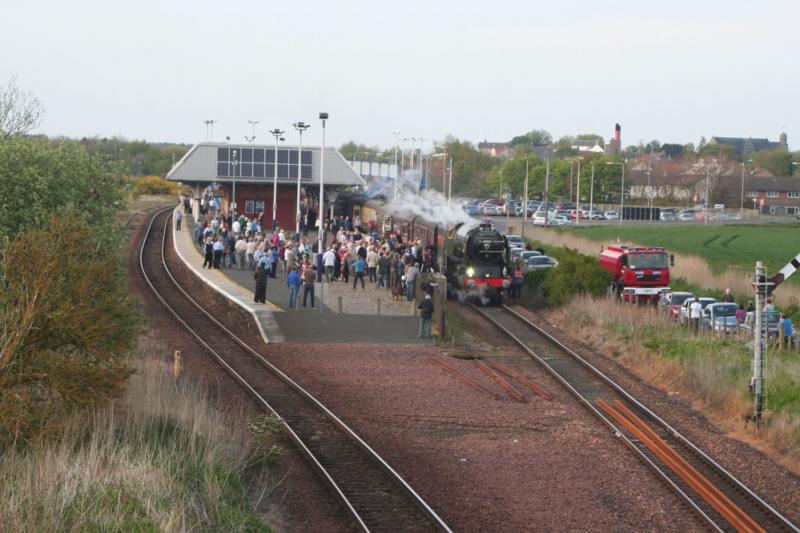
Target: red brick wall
286	205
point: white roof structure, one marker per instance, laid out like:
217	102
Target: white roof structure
254	163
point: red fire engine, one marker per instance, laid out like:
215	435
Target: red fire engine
640	274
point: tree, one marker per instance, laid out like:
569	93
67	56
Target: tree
720	151
20	112
532	138
590	137
39	178
778	162
352	150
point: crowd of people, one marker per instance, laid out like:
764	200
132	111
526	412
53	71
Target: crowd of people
390	262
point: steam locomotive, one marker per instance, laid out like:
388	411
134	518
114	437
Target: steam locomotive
474	257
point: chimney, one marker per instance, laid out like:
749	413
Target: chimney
617	138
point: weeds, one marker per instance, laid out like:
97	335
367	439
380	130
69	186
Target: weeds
159	459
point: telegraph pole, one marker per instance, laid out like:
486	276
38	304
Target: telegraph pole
525	201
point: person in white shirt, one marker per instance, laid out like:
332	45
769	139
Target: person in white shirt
329	260
237	228
695	310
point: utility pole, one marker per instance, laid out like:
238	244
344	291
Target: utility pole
705	217
396	168
591	195
450	185
547	192
525	199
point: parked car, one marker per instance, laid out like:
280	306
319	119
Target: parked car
539	218
491	209
674	301
686	216
597	214
515	240
720	317
540	262
516	253
683	316
612	215
562	220
472	210
527	254
668	214
576	214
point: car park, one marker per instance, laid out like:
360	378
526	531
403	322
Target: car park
540	262
612	215
720	317
683	316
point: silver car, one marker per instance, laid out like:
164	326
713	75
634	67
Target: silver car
540	262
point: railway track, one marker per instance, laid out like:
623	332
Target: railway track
723	501
371	491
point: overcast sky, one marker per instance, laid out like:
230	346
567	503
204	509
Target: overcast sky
156	69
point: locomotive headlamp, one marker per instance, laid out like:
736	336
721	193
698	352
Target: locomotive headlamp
470	272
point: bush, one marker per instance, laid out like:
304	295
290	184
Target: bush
575	274
66	318
155	185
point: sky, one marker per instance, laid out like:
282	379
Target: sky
155	70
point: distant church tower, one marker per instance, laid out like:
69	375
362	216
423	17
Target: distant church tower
783	142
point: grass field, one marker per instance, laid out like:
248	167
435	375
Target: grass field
733	245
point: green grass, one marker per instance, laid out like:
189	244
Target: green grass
737	245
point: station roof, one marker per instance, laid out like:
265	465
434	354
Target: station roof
255	163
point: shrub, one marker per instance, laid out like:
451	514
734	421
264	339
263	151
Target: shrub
155	185
65	319
575	274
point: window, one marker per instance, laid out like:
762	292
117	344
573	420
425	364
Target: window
791	210
249	207
793	194
772	194
260	207
752	194
772	210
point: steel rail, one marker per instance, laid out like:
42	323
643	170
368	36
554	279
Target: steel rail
616	388
437	521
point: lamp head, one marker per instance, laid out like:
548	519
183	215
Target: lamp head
323	116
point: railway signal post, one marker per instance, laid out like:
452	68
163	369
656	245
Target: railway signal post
761	286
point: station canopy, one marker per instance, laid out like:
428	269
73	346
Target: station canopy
253	163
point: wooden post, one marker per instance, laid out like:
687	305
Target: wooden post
340	304
378	299
176	365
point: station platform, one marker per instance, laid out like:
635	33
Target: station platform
341	314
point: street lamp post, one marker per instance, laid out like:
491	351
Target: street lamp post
591	195
396	168
622	189
321	215
708	179
300	127
450	182
578	189
234	163
278	134
525	199
741	198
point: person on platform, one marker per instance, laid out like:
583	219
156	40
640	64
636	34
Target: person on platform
261	285
344	262
329	262
425	316
358	272
383	271
178	219
411	281
372	264
309	278
240	248
293	282
252	246
208	249
219	251
274	256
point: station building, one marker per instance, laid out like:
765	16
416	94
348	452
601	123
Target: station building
211	169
